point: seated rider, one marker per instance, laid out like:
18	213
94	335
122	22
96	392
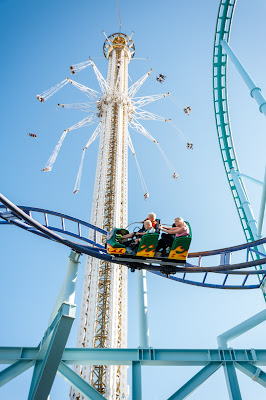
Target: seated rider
180	228
129	240
155	224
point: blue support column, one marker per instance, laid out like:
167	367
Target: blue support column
262	206
67	292
241	328
50	355
229	368
35	375
255	91
14	370
195	381
78	383
255	373
246	207
55	338
232	382
260	183
245	203
143	309
136	381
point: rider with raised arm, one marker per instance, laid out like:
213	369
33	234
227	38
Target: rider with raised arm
148	228
180	228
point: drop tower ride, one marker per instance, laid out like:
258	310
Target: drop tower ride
103	320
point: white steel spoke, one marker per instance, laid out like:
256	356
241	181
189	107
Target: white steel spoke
75	68
78	180
51	161
134	124
137	85
102	82
91	140
78	106
143	101
91	93
130	145
84	122
50	92
143	114
93	136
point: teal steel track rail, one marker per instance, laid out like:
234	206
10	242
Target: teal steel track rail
222	119
221	109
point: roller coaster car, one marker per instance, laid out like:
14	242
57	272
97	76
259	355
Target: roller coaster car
180	246
113	245
146	247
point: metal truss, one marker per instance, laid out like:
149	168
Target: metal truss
50	92
102	82
143	101
91	93
146	115
79	67
90	141
247	361
78	106
137	85
136	125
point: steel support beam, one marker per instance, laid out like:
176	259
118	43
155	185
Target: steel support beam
67	292
262	206
143	309
46	368
195	381
247	209
241	328
255	373
35	375
14	370
136	381
78	383
255	91
260	183
232	382
244	203
147	357
162	357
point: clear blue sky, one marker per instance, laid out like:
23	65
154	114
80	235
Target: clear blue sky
39	40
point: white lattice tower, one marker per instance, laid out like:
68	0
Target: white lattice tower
103	320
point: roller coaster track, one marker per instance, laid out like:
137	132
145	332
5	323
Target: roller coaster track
57	229
221	110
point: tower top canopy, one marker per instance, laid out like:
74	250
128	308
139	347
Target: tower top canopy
119	41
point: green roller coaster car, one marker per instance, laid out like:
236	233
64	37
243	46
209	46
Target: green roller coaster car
180	246
146	247
113	245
